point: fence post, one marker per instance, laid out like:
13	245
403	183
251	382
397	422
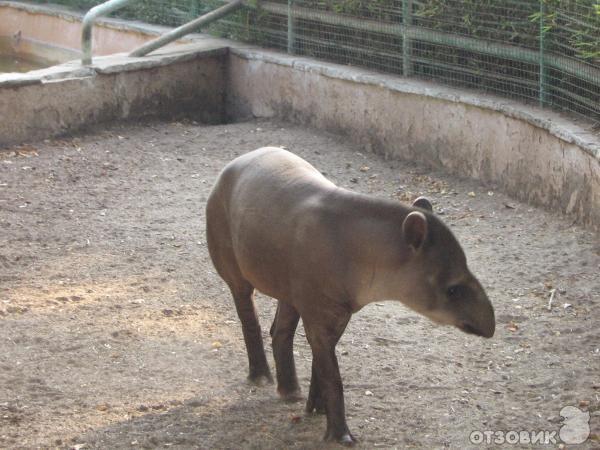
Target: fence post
543	71
291	31
407	69
194	10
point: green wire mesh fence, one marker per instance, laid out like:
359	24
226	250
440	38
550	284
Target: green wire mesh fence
542	51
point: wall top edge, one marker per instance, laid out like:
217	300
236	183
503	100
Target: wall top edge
119	62
566	129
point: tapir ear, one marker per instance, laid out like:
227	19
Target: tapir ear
424	203
414	229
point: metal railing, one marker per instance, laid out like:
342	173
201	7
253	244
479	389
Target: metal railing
88	22
188	28
113	5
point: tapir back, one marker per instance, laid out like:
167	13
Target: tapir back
261	208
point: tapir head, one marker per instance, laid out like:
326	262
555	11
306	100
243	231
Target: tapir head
443	288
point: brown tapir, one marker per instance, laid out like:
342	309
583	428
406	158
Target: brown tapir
276	224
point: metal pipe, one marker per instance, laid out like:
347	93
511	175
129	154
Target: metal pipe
291	29
543	71
189	27
88	21
407	68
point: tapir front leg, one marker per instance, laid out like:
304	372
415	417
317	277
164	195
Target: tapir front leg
315	399
323	335
282	332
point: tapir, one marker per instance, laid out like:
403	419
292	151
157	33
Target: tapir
275	224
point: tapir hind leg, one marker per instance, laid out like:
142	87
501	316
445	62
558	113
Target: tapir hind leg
282	332
223	257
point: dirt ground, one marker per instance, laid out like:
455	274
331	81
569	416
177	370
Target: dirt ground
116	331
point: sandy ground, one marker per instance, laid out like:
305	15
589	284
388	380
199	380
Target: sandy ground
116	331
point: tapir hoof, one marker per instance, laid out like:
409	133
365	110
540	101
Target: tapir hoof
315	405
290	396
345	439
260	379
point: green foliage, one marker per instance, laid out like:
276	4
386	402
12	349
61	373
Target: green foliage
497	20
575	24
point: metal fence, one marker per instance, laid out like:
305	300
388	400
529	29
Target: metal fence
538	51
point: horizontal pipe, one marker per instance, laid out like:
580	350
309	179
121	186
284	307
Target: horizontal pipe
88	22
465	71
568	65
396	57
588	102
189	27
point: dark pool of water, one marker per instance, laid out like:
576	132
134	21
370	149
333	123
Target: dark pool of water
11	63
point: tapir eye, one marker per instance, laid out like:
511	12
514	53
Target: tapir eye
454	292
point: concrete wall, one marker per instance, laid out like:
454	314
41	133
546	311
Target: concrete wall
37	51
531	154
62	32
61	28
114	89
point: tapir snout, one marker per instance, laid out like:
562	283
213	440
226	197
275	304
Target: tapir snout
475	313
482	321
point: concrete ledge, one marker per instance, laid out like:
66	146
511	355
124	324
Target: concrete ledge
123	63
535	155
61	71
69	97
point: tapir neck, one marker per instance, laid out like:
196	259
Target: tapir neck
370	241
358	206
